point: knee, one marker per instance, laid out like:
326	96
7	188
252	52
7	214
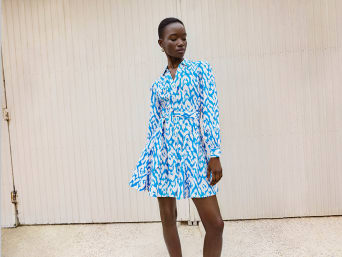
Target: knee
216	227
169	217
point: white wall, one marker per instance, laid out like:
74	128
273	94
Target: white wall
278	72
78	75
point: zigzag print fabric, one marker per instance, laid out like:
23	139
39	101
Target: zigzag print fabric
183	134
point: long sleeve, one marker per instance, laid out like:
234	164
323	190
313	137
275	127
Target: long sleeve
210	110
154	113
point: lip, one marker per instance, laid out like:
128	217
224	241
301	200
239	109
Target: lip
180	50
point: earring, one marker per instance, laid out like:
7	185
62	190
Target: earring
162	50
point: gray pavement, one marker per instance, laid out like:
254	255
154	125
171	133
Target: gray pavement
292	237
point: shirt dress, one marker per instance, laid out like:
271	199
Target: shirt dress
183	134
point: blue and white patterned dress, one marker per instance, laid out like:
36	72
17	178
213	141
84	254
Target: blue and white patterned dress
183	133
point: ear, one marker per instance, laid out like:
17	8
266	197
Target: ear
160	42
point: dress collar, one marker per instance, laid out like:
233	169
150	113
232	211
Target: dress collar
183	63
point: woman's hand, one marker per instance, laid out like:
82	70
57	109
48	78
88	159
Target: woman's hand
214	166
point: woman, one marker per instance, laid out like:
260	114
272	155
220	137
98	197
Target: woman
181	159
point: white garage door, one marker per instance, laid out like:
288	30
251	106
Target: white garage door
77	77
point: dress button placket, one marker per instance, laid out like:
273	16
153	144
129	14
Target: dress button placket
175	124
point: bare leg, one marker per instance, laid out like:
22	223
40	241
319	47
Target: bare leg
210	215
168	215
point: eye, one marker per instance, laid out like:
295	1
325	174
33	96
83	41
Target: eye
173	39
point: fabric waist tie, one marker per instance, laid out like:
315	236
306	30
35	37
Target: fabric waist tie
167	120
175	115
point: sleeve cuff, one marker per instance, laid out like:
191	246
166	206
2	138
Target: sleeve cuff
215	152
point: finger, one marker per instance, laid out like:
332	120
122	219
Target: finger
215	177
219	176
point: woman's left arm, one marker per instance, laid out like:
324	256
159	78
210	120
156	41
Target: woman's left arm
210	111
211	121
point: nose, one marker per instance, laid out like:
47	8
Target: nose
181	44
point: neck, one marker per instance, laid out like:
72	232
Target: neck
173	62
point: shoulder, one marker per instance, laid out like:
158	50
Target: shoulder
199	66
205	66
158	83
202	68
153	86
199	62
194	64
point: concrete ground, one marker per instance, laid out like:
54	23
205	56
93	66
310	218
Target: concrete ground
292	237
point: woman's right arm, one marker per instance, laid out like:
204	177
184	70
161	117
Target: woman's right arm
154	113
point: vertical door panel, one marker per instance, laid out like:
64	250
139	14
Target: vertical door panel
78	77
278	75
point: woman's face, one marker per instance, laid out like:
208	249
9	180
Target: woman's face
174	40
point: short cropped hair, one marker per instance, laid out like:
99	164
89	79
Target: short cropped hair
166	22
